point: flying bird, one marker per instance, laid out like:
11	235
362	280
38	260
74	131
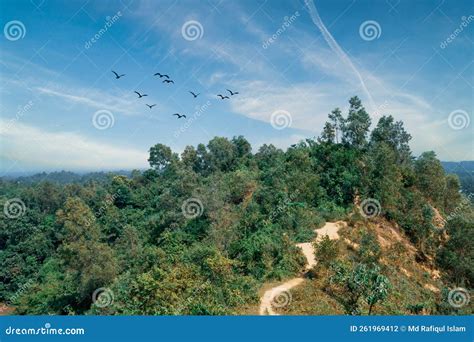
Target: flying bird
161	75
232	93
179	115
168	81
195	95
117	76
222	96
140	95
150	106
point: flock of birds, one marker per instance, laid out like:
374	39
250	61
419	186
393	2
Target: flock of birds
167	80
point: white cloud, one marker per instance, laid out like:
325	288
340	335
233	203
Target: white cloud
121	103
64	150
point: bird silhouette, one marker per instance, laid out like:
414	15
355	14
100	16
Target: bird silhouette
179	115
222	96
168	81
161	75
232	93
150	106
195	95
140	95
117	76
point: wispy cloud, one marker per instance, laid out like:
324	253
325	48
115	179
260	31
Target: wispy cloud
64	150
336	48
96	99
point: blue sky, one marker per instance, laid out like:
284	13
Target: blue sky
284	60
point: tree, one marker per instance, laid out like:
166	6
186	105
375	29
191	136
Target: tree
329	133
456	257
393	134
326	251
369	250
89	262
452	197
430	178
161	157
356	282
222	154
337	122
356	125
384	179
190	158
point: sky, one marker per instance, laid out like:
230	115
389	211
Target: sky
292	62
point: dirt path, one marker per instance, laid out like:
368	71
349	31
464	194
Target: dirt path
279	296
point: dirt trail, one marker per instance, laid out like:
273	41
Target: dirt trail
279	296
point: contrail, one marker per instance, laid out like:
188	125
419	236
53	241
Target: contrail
336	48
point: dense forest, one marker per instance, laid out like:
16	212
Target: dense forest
200	233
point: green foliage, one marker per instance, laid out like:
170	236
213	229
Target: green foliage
326	251
369	250
356	282
126	232
456	257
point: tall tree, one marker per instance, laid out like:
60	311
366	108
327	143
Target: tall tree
337	122
394	135
357	124
430	178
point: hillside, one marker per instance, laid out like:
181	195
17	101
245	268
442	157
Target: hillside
415	287
207	232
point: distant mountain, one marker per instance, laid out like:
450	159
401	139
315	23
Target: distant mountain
465	171
67	177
